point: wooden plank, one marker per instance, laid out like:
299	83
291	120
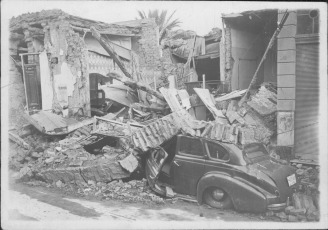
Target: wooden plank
105	44
232	95
136	85
18	140
171	99
205	96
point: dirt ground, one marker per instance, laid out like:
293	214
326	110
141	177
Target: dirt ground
49	203
38	203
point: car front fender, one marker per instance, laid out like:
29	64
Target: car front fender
244	196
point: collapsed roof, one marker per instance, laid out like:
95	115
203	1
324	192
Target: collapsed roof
17	24
251	21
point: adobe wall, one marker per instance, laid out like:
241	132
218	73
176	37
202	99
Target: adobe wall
148	50
16	100
63	43
169	68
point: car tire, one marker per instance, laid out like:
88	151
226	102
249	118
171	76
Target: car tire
223	203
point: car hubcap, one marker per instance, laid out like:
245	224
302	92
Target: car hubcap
218	194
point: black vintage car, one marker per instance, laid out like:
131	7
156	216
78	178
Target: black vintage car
220	174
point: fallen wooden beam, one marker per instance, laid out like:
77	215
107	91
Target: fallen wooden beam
15	138
136	85
147	108
110	51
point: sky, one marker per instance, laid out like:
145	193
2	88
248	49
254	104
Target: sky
199	16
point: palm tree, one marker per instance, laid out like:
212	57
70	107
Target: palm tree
162	22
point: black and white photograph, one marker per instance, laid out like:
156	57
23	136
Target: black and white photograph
163	115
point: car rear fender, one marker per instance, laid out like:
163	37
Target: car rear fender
243	196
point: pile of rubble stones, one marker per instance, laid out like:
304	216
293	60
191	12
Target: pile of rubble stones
132	191
48	155
304	205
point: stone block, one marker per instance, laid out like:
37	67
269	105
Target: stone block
287	31
286	56
286	44
302	201
246	136
59	184
285	128
286	81
286	105
292	18
286	93
288	68
300	211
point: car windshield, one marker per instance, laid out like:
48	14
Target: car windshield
254	153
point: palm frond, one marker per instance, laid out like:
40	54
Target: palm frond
168	20
142	14
161	20
173	24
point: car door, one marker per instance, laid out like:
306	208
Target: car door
154	164
188	165
218	158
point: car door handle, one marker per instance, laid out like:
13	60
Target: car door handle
176	163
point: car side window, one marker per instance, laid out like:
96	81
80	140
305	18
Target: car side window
191	146
216	151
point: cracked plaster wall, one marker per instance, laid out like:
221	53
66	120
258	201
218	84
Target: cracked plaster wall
70	76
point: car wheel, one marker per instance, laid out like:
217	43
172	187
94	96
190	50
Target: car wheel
217	198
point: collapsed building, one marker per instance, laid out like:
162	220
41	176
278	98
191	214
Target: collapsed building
72	68
63	64
292	64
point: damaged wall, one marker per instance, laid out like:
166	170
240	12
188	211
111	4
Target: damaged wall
286	52
148	49
246	57
169	68
245	40
16	96
70	76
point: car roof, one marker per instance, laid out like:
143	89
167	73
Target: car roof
233	148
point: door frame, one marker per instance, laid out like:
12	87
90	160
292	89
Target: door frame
24	77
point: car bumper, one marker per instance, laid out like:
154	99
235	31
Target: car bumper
276	207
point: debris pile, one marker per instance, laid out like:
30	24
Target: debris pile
156	133
304	205
67	159
131	191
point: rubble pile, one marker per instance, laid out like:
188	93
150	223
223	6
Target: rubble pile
52	159
250	122
26	143
131	191
78	165
65	164
304	205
